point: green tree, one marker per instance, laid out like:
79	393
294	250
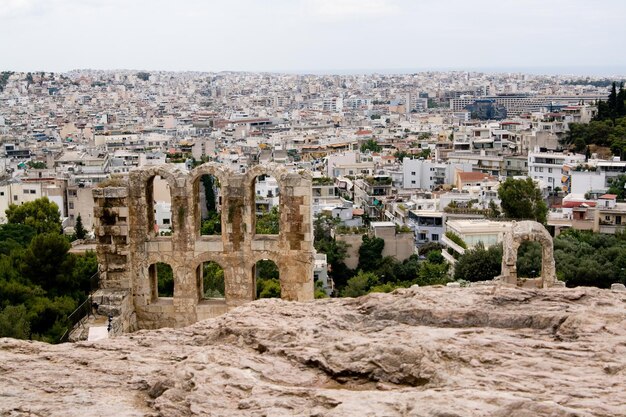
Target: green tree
268	223
590	259
435	257
617	187
36	164
268	288
580	145
494	210
15	235
370	253
620	105
46	263
319	290
213	280
371	145
335	250
521	199
529	257
479	264
360	284
165	280
426	248
79	230
41	214
400	155
14	322
267	279
142	75
209	193
211	225
433	273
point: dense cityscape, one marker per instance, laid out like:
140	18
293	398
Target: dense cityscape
329	208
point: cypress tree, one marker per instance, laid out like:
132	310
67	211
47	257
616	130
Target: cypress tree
620	109
613	102
79	229
209	193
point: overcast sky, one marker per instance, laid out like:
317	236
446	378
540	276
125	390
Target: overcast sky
312	35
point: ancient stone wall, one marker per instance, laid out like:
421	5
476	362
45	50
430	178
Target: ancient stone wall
129	248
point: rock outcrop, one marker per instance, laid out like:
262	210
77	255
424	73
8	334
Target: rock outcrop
438	352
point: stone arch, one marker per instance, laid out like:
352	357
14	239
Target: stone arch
279	173
145	179
153	280
223	174
276	259
198	261
513	238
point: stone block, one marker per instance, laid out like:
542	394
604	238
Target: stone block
152	246
165	246
618	287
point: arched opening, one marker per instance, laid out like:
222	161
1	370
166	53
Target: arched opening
529	259
267	279
210	280
159	207
209	205
266	205
161	280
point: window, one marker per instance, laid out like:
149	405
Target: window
412	172
32	191
70	205
166	221
14	198
550	170
435	238
413	182
1	193
25	191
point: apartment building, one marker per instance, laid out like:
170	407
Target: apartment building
547	167
428	175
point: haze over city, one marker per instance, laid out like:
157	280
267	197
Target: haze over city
342	36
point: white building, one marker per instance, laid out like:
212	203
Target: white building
426	174
163	216
583	182
267	193
547	167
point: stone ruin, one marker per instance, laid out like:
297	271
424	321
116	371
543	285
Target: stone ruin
128	248
513	238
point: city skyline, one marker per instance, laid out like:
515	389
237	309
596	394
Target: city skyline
316	36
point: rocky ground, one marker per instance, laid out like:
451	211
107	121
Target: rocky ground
444	352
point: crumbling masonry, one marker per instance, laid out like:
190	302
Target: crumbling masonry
128	247
513	238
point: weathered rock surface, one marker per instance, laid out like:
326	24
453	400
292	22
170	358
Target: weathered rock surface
438	352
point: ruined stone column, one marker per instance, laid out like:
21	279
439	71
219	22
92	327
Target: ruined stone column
111	229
